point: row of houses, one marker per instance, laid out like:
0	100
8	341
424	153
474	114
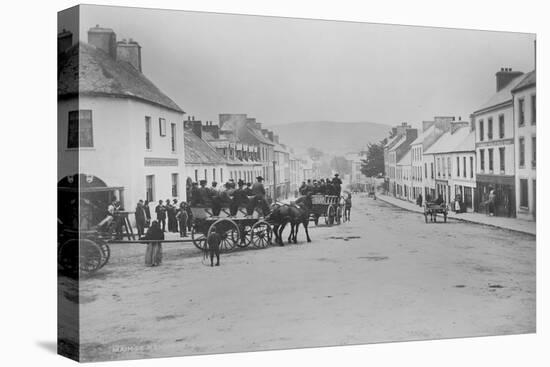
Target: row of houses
120	136
465	160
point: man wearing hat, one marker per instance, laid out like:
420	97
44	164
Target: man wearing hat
337	184
258	199
239	198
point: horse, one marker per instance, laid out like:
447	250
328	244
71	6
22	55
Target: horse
279	217
299	214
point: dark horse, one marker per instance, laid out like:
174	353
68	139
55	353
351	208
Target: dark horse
295	214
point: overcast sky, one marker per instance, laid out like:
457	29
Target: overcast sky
281	70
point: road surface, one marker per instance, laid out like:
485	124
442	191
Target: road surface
384	276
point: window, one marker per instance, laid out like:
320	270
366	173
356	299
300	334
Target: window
533	109
463	166
426	170
438	167
80	131
449	166
534	152
173	137
150	187
471	167
490	128
196	175
175	184
457	166
206	174
501	159
482	160
523	193
147	132
501	126
213	174
162	127
481	132
432	169
521	111
491	161
522	152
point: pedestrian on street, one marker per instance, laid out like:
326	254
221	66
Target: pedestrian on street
214	240
147	213
182	218
140	218
347	208
153	253
160	210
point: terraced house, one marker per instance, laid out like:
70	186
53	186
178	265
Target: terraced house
495	151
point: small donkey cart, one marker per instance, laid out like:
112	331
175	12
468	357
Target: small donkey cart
431	209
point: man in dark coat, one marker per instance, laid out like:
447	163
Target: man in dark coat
140	218
147	213
258	199
160	210
213	241
337	182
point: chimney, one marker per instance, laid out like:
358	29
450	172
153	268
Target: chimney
258	126
270	135
104	39
455	125
250	122
412	134
505	76
443	123
130	52
401	129
64	41
276	138
426	125
196	127
212	129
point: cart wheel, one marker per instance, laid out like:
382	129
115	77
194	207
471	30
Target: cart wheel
105	252
67	258
338	215
89	254
331	213
261	234
199	239
229	231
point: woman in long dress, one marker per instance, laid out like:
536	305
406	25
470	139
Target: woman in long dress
153	253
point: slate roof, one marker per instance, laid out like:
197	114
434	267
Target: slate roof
462	140
502	96
87	70
197	151
529	80
406	160
423	135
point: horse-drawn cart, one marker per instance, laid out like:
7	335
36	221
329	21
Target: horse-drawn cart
330	207
431	209
236	231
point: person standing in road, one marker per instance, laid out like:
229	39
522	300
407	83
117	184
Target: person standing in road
147	213
153	253
182	218
347	208
160	210
140	218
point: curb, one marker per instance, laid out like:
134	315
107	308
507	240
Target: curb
380	197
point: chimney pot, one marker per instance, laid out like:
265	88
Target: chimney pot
103	39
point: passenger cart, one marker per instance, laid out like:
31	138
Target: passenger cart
432	209
329	207
237	231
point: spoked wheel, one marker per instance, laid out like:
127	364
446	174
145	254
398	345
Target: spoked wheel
89	254
261	235
105	252
229	231
198	238
331	214
338	215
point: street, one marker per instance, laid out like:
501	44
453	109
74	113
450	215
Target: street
384	276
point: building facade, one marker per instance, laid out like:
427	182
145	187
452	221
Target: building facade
525	128
495	148
101	108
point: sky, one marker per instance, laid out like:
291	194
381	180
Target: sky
283	70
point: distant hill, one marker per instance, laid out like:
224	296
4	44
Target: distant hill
335	138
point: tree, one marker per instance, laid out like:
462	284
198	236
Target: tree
373	165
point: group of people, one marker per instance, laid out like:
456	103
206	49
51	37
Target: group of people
323	186
232	195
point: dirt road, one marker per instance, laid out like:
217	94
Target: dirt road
385	276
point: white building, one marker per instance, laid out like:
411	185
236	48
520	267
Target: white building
525	137
495	150
403	177
115	127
